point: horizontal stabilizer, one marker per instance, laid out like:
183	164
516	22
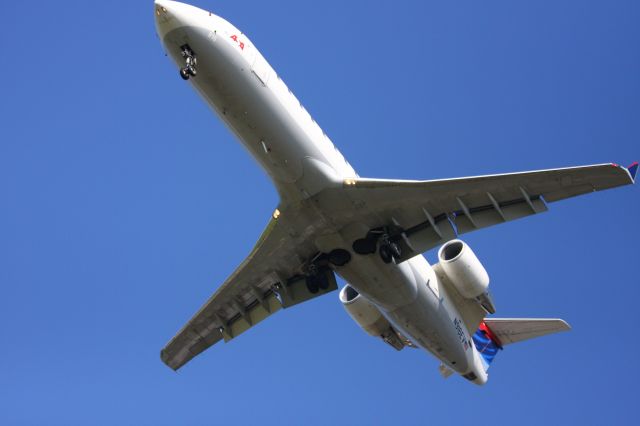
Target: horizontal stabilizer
513	330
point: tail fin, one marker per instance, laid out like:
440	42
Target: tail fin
487	344
494	333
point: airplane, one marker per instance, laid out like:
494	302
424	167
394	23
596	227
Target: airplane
371	232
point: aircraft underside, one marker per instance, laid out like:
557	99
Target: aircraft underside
371	232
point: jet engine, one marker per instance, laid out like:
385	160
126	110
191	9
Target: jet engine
466	273
369	318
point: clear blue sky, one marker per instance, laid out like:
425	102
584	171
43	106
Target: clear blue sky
125	203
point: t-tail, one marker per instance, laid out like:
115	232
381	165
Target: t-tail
493	334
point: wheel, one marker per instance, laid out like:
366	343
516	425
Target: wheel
312	285
192	70
385	253
184	73
339	257
322	281
396	252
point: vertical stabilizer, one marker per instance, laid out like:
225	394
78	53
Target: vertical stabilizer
487	344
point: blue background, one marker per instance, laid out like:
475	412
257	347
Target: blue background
125	203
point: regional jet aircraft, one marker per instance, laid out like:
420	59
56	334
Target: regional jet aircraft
371	232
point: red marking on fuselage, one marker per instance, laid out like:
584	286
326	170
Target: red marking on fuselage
240	43
490	334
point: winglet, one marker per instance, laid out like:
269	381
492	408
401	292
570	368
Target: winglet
633	169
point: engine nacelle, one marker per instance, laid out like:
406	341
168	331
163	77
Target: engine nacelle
363	312
463	269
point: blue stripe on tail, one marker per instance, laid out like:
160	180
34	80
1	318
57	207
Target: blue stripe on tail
485	346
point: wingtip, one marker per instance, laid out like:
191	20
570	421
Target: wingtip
164	356
565	324
633	170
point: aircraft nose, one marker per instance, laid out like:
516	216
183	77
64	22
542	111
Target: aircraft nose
160	7
165	4
162	16
169	16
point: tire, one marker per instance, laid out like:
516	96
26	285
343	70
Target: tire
395	250
192	71
312	285
322	281
184	74
385	254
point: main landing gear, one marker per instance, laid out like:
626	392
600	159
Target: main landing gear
380	241
316	279
317	271
189	70
389	251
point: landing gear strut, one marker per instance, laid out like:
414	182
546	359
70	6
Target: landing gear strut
378	240
189	70
389	251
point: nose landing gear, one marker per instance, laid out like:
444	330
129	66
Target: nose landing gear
189	70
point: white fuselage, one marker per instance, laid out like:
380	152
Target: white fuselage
247	94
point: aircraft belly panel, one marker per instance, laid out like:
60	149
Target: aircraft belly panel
409	296
387	285
431	324
276	130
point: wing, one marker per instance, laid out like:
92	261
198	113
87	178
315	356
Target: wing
266	281
423	214
513	330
